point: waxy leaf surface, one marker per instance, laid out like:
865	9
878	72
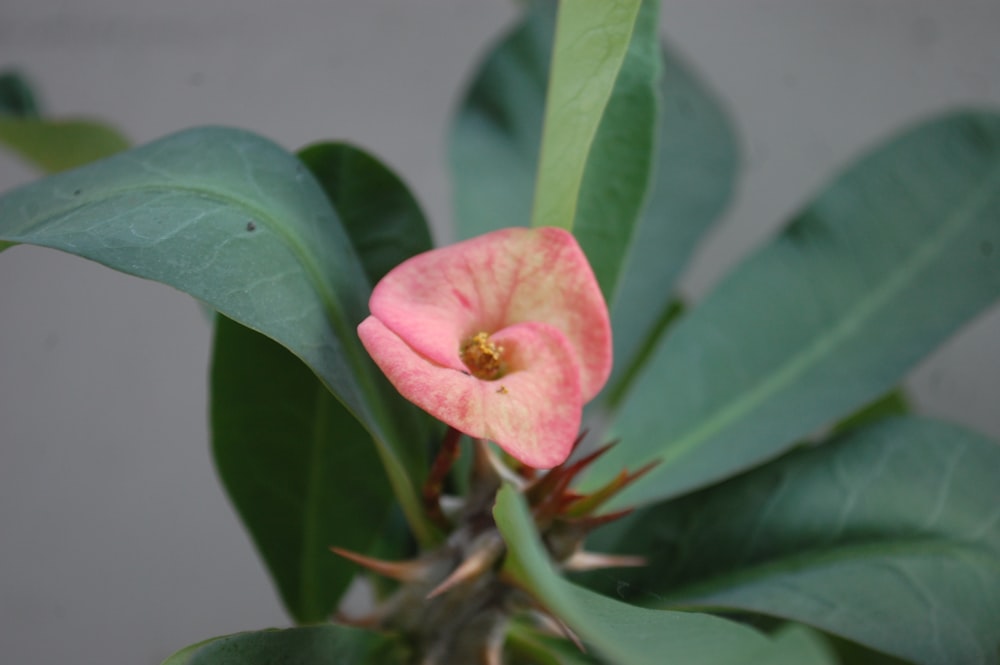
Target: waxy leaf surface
883	266
291	457
240	224
620	632
888	535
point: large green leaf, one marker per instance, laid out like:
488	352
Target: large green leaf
290	455
887	535
619	160
694	179
883	266
386	226
592	40
300	469
382	218
240	224
330	645
621	633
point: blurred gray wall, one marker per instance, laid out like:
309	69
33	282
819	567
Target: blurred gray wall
116	544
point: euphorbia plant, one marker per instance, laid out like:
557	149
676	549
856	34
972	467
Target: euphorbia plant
745	468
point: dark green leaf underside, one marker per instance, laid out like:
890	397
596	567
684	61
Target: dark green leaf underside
300	469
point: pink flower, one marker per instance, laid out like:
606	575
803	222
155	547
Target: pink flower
504	337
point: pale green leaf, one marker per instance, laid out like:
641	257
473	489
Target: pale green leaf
58	145
591	42
621	633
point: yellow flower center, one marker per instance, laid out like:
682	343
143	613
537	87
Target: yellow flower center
483	357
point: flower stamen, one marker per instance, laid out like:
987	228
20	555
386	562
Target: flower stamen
483	357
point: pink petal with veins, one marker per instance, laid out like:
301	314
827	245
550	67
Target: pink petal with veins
437	300
533	411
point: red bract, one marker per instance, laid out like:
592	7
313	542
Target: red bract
503	337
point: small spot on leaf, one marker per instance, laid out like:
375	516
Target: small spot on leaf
251	226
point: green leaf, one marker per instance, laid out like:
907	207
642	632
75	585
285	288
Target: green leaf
794	645
290	456
621	633
886	536
300	469
619	161
694	180
382	218
328	644
240	224
592	39
883	266
16	96
60	145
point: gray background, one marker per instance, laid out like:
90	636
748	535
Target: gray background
116	545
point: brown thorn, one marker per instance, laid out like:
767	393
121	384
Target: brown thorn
595	500
560	626
560	477
581	561
481	560
404	571
590	522
367	622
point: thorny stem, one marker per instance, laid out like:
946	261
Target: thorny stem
446	458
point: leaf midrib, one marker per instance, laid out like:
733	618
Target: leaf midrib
846	327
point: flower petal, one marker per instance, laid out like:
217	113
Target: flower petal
532	412
438	299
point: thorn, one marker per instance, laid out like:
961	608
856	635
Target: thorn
404	571
479	561
559	478
588	523
595	500
557	626
367	621
582	560
493	649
